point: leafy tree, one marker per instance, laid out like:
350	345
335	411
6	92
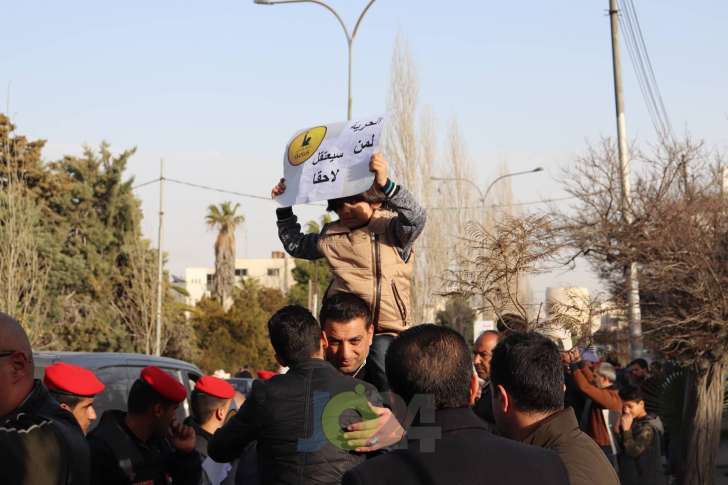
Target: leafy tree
316	272
678	235
225	219
240	335
85	225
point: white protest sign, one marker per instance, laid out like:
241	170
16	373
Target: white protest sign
330	161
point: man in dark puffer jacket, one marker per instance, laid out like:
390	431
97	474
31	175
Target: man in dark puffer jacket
40	443
295	417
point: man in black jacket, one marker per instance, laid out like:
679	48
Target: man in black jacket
297	417
40	443
457	448
145	445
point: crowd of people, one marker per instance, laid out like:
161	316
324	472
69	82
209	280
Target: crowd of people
367	397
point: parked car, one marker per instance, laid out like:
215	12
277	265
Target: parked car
242	384
118	371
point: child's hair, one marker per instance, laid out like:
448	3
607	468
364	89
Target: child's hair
631	393
372	196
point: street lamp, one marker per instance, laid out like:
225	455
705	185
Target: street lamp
349	37
484	196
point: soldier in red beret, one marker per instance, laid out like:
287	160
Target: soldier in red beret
146	446
211	402
75	389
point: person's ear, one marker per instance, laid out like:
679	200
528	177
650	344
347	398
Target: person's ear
220	413
66	407
324	340
501	398
158	410
370	333
20	364
473	389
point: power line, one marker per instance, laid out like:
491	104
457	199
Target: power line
642	65
514	204
268	199
214	189
145	184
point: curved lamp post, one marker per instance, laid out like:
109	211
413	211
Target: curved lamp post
349	36
484	195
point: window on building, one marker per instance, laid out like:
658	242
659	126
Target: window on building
209	278
241	272
274	271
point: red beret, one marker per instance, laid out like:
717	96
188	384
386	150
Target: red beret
72	379
166	385
266	374
215	387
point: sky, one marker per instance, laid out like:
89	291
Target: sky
217	88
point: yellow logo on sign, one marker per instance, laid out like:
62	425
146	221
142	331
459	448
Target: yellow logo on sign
305	145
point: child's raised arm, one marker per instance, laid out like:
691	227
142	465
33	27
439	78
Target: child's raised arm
295	242
411	217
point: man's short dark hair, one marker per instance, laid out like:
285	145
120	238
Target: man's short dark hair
641	363
528	365
344	307
142	397
204	405
70	400
294	333
631	393
429	359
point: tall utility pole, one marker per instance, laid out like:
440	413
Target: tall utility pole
160	286
633	289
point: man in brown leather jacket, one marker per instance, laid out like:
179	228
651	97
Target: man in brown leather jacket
528	405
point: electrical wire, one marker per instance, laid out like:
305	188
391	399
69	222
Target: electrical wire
644	71
145	184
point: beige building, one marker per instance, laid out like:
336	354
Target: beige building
274	272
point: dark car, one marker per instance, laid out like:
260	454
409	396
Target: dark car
118	372
242	384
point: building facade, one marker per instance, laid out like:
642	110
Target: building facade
274	272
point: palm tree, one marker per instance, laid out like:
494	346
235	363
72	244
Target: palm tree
224	218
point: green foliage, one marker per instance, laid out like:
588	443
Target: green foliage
89	220
318	271
240	335
459	316
226	219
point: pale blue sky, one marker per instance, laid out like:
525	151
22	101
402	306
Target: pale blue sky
217	88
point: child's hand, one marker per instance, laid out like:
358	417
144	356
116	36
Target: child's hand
278	189
378	165
625	421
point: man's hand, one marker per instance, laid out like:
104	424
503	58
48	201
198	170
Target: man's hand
374	434
626	421
378	165
575	355
278	189
182	437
